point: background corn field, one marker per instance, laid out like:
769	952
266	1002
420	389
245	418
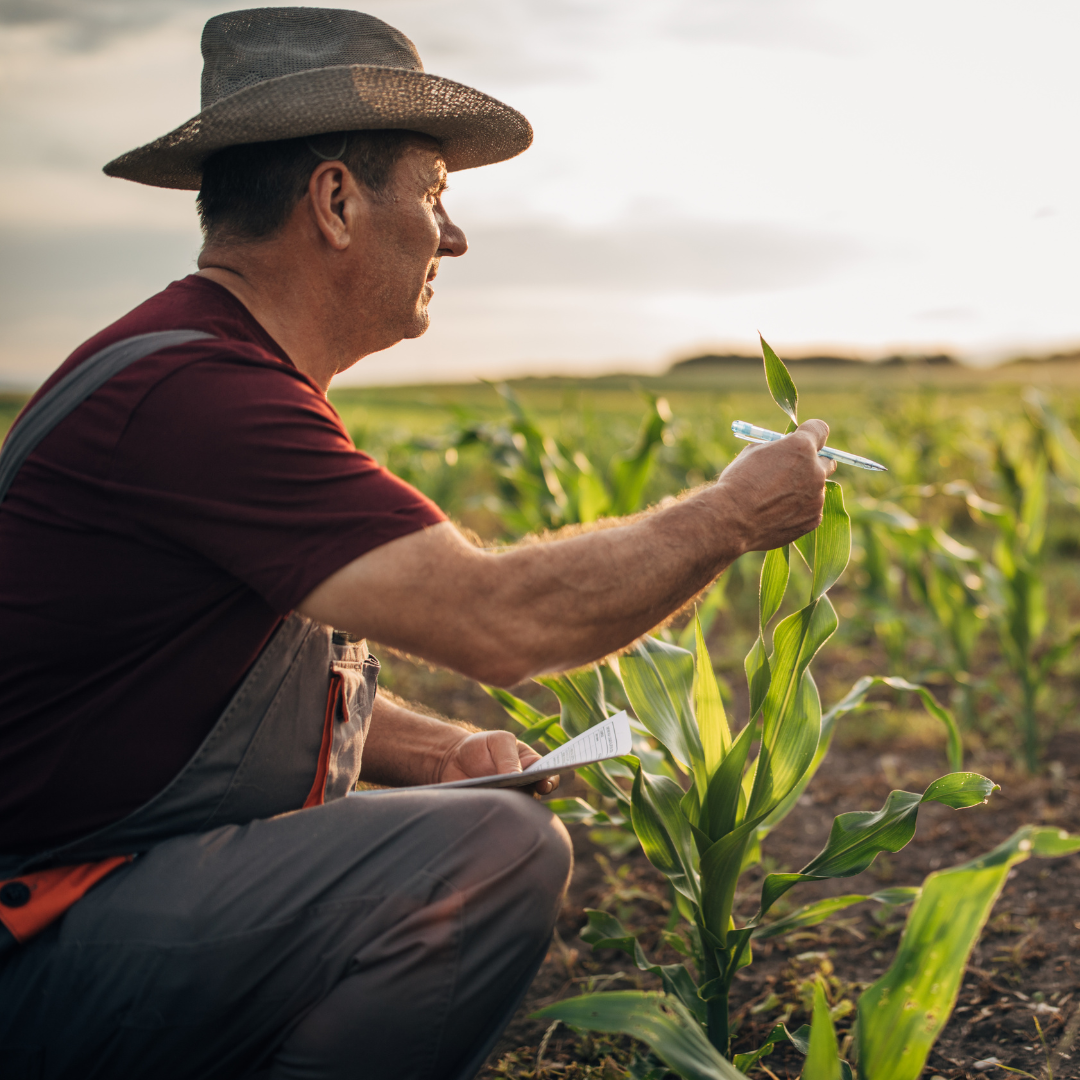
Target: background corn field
963	589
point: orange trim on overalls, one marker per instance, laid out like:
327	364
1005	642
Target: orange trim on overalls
334	698
51	893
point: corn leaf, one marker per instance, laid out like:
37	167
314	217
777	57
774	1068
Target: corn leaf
520	710
630	471
857	838
780	385
902	1014
852	700
576	811
604	931
719	813
721	865
709	708
656	1019
955	742
664	831
659	682
781	765
775	571
600	778
818	912
830	542
796	641
758	675
823	1057
799	1039
581	695
791	712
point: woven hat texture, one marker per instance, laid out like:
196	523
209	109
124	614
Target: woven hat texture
282	73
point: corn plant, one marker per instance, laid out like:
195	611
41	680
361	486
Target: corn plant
899	1016
543	483
702	833
943	578
1014	574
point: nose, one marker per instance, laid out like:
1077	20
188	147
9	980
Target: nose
452	240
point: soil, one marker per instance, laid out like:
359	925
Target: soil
1025	966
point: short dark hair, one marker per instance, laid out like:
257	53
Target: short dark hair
249	191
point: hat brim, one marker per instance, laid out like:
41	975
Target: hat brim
472	128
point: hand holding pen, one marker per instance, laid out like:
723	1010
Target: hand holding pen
750	433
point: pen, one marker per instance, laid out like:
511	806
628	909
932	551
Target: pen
749	433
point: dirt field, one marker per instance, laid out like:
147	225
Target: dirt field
1025	967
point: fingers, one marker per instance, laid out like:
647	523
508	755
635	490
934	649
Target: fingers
818	431
544	787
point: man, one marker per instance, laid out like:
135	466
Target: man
184	890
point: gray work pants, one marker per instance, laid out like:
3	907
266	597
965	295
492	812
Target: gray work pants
386	936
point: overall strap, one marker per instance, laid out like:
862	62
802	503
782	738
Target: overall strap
72	390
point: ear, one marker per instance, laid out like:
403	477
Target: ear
337	203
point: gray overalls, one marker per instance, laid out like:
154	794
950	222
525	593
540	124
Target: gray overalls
356	937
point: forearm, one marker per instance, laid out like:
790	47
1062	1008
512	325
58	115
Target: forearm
501	617
558	605
403	747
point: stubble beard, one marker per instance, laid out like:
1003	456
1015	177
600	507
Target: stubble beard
421	319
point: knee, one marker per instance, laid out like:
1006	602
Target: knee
544	853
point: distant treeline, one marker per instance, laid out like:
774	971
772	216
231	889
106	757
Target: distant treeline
733	360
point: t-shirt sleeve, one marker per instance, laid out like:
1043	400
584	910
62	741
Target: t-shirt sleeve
242	461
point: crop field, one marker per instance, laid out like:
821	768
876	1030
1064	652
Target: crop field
848	839
947	671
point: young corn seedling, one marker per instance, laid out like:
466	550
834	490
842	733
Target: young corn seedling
545	483
942	577
702	836
1015	572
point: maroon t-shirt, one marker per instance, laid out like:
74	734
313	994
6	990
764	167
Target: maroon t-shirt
149	548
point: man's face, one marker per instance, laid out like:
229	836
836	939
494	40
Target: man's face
409	233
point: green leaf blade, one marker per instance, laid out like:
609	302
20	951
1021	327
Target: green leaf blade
709	708
960	790
656	1019
581	695
663	830
901	1015
775	571
659	682
780	385
832	541
823	1057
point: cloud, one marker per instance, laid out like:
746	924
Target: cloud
649	256
512	42
555	287
763	23
86	25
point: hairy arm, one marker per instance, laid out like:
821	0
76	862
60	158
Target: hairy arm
501	617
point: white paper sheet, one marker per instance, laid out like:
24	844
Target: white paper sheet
610	739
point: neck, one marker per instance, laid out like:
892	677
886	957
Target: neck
287	303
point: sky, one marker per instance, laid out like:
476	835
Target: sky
850	177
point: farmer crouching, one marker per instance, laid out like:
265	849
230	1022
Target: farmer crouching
185	892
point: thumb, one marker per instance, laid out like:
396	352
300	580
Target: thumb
503	748
817	430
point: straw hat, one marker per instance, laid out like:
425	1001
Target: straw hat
281	73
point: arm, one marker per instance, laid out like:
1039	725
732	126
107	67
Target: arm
502	617
404	748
